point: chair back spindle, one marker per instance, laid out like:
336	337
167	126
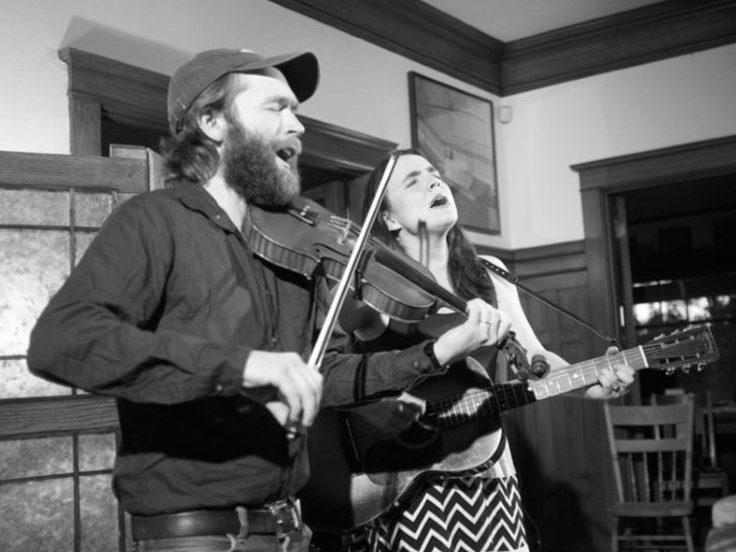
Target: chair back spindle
651	452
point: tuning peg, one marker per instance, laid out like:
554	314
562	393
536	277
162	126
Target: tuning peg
539	365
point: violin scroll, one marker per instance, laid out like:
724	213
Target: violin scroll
515	356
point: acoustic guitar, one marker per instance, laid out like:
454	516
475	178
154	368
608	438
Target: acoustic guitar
361	470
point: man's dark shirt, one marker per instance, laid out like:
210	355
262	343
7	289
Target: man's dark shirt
161	313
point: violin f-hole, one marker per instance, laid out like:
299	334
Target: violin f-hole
363	260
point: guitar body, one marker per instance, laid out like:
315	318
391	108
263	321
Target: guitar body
359	470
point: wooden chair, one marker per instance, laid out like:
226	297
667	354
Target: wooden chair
710	482
710	476
652	465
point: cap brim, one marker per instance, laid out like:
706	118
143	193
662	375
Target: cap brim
301	70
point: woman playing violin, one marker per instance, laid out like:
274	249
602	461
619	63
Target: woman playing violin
419	217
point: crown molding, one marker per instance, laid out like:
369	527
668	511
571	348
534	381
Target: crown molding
424	34
416	31
627	39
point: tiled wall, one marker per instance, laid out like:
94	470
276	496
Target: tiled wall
55	491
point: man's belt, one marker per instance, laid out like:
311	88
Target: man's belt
275	518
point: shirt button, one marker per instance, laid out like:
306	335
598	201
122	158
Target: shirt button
218	388
415	364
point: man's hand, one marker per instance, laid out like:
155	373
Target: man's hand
298	388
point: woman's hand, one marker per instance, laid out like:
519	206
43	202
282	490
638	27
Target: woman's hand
485	326
613	382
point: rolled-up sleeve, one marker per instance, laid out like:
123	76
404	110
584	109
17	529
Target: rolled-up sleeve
350	377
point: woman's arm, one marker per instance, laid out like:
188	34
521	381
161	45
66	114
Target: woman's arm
611	383
508	302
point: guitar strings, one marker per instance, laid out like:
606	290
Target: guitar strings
476	403
473	405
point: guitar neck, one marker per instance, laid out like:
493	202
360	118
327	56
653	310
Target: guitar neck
585	373
480	403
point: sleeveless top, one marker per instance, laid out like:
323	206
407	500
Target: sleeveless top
400	335
451	512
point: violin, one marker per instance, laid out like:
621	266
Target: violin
308	239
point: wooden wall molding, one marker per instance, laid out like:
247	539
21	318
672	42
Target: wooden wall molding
57	416
550	260
53	171
127	94
543	261
600	180
332	148
414	30
136	97
627	39
665	165
424	34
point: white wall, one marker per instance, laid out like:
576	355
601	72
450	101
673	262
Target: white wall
676	101
362	87
365	88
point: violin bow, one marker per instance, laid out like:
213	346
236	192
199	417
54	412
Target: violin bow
315	359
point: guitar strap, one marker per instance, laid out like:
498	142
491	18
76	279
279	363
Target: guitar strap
514	279
495	457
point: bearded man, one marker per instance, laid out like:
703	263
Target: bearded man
201	342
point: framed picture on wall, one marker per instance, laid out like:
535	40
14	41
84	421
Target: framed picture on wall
454	130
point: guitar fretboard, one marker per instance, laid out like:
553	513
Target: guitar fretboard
480	403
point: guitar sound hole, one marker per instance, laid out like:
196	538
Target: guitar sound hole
416	447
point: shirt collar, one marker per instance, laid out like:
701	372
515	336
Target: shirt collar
195	197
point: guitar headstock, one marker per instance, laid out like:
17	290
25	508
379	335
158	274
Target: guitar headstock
691	347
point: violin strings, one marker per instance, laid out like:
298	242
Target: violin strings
479	402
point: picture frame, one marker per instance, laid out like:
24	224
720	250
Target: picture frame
454	131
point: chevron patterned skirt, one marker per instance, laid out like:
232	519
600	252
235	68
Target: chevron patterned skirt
473	514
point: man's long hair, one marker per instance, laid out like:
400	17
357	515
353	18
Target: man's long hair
468	276
190	154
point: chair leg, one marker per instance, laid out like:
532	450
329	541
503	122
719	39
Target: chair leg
688	534
614	535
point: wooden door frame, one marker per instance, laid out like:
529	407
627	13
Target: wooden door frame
137	97
601	180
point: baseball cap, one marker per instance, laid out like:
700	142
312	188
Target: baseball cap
300	69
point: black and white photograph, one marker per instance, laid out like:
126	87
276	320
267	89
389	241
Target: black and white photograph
367	276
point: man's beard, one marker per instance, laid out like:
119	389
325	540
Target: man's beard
251	168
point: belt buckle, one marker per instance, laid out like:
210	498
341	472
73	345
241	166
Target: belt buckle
286	514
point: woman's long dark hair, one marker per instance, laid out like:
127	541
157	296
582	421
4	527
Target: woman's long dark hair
468	276
190	154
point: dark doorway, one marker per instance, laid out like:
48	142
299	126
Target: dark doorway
682	247
659	245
